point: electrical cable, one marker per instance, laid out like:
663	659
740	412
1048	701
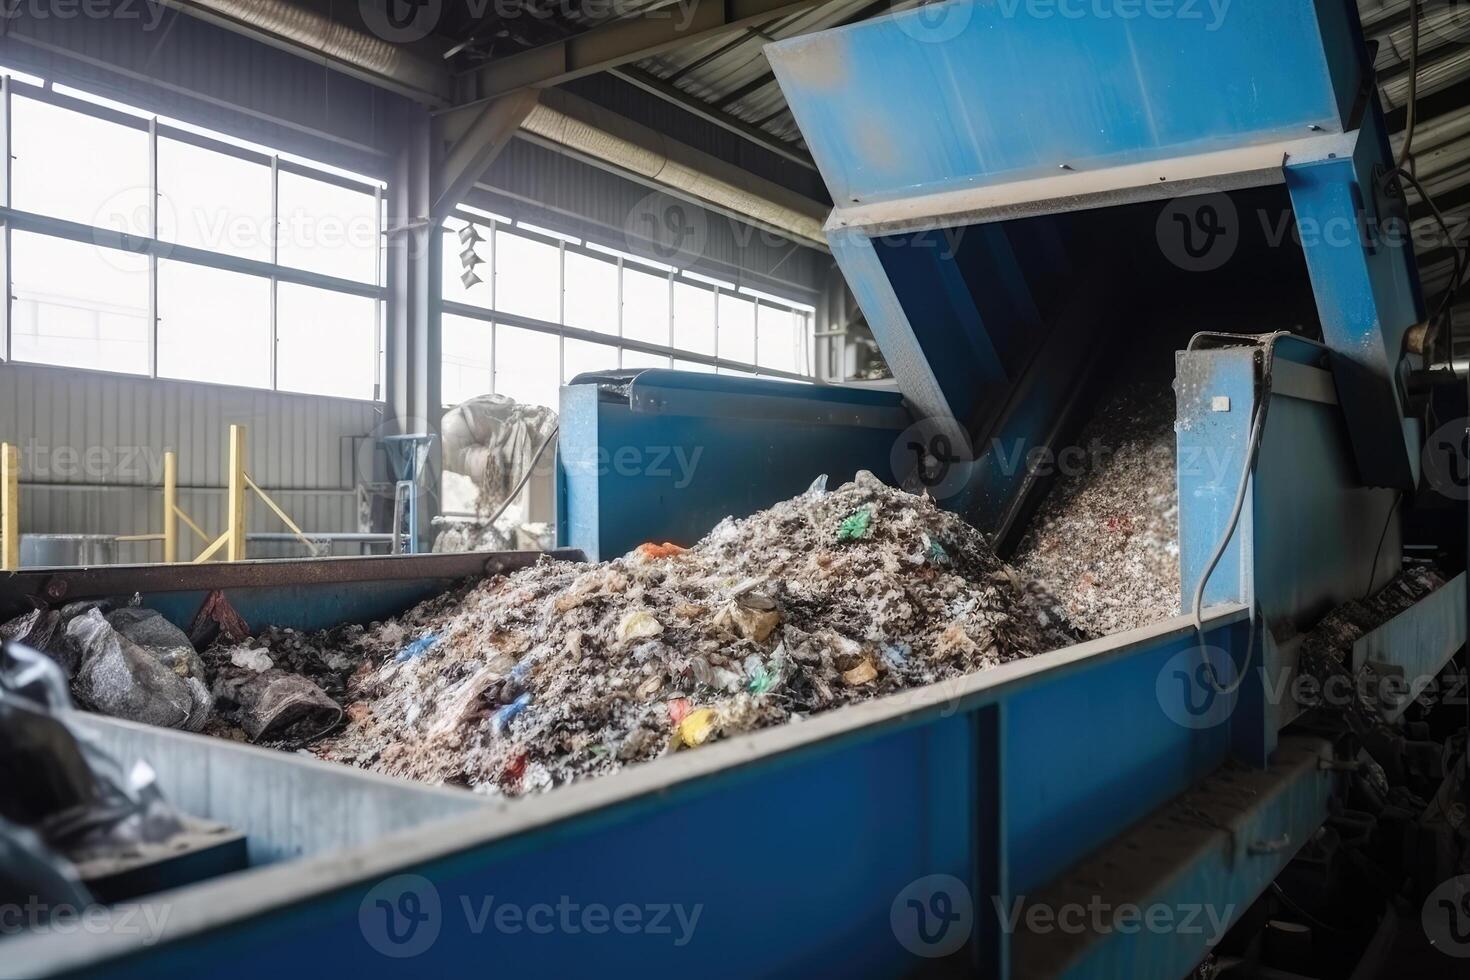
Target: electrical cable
1258	425
1406	154
526	476
1387	523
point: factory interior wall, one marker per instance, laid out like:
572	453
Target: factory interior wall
181	67
92	449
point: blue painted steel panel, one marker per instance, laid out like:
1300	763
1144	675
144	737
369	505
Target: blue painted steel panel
969	93
1367	288
981	783
680	451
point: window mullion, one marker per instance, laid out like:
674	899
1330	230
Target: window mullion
275	261
5	146
154	196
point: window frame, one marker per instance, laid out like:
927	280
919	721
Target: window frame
491	226
156	249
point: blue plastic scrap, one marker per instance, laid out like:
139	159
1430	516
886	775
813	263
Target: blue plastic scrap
506	714
417	648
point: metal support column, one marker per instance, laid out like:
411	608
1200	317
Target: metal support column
415	255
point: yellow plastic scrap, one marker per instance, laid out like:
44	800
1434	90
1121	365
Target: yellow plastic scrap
639	624
698	726
863	673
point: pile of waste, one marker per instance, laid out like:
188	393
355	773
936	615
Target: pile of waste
565	671
120	659
1105	541
1330	642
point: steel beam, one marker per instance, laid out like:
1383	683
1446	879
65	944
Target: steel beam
477	147
674	95
619	43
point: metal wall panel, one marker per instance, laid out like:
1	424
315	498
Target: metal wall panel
92	454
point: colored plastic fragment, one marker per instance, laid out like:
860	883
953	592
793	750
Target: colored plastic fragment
666	550
698	726
934	551
507	713
417	648
638	624
857	525
678	709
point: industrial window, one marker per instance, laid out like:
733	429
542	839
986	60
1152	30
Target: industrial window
527	309
465	346
213	325
77	305
144	245
325	342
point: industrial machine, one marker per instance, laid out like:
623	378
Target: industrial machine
1017	197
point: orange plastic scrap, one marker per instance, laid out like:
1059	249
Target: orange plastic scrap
666	550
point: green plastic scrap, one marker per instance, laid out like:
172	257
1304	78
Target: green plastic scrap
934	551
857	525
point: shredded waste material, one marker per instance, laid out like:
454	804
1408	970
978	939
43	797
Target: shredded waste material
1326	651
1331	640
1105	541
566	671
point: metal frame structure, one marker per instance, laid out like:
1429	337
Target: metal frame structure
154	248
565	245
